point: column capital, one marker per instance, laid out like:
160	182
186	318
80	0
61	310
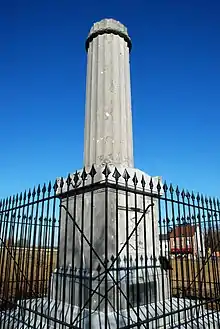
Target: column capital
108	26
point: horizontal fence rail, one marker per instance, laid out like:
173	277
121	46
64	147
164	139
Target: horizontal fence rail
109	249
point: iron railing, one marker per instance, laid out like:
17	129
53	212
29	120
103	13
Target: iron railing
109	249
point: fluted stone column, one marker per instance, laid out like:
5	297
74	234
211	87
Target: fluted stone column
108	119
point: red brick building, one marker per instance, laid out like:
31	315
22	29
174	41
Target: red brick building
186	239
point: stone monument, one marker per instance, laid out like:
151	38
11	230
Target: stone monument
108	121
109	142
108	146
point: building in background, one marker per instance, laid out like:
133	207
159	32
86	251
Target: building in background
187	239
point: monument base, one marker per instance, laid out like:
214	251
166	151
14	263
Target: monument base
50	314
124	226
122	286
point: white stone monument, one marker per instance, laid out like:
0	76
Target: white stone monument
108	141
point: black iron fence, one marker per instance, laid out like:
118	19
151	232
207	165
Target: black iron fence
109	249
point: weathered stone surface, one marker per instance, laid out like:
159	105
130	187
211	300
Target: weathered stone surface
111	218
108	120
107	26
109	230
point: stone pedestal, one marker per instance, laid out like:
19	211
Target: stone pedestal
116	227
142	287
111	212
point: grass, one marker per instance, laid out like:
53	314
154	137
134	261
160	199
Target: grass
25	272
196	278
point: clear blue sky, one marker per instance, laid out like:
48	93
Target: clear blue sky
175	69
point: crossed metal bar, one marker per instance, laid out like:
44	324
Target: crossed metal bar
106	271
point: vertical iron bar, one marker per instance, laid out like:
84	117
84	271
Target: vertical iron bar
44	251
81	286
135	182
215	276
217	211
45	244
3	248
116	176
9	259
58	281
146	256
35	275
25	249
217	251
151	185
24	240
201	270
30	264
68	182
194	256
16	268
166	199
106	173
204	260
19	277
210	266
40	255
74	280
188	276
2	205
197	216
179	236
7	270
92	175
161	233
176	259
181	239
3	251
126	178
5	256
13	267
29	236
52	250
